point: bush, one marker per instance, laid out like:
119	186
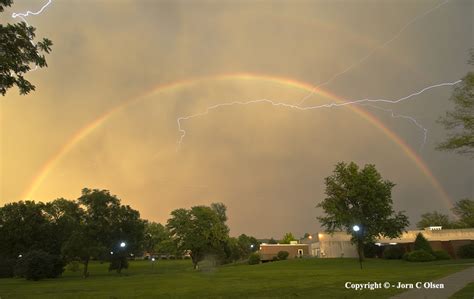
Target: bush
254	258
118	262
466	251
441	255
73	266
6	267
283	255
422	244
419	256
393	252
275	258
37	264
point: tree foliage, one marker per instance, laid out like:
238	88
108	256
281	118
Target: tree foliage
464	210
422	244
434	219
201	229
460	121
18	54
360	197
287	238
104	224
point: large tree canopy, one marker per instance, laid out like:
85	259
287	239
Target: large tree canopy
360	197
201	229
460	121
18	54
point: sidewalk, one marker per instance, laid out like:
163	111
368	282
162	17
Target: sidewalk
452	284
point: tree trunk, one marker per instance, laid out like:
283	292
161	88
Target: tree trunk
360	252
85	274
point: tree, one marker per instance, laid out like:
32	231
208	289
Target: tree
460	121
155	233
360	197
287	238
434	219
200	229
464	209
23	227
18	54
104	224
422	244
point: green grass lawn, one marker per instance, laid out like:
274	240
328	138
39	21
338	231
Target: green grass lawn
466	293
307	278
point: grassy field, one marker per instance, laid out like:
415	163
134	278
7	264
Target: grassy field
307	278
466	293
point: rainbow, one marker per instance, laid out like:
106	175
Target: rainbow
86	130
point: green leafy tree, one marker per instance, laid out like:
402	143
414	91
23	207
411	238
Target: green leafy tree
155	233
434	219
464	209
18	54
104	224
287	238
422	244
360	197
460	121
201	229
23	227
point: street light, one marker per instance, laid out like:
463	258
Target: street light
123	244
356	228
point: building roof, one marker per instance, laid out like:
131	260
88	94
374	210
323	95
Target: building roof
406	237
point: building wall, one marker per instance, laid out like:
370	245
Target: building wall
268	251
339	245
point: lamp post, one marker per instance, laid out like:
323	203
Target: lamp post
356	229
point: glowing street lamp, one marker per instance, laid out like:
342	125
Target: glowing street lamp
123	244
356	228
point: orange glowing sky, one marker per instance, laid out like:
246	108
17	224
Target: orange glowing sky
104	113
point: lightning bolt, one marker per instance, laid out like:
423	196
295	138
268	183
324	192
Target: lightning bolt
306	108
26	14
410	118
364	58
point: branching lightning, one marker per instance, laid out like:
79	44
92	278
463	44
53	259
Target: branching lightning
306	108
24	15
410	118
382	45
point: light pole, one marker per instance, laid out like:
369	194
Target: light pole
356	229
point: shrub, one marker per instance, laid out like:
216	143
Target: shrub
37	264
466	251
422	244
73	266
283	255
118	262
254	258
441	255
393	252
275	258
6	267
420	256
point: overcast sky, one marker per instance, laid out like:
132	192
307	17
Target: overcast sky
266	164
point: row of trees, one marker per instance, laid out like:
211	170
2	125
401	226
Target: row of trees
463	210
98	226
93	226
